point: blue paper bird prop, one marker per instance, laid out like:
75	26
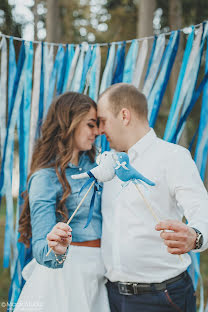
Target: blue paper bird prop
125	172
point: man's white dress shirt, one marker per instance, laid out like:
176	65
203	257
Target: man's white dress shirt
132	249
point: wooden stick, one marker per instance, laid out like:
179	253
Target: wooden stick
151	210
75	211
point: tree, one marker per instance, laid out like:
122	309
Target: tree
8	25
146	11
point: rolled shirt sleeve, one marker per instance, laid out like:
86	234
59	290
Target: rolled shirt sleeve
43	189
189	191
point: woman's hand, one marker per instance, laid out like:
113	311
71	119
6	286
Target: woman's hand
60	238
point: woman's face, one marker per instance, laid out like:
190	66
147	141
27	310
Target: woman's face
85	133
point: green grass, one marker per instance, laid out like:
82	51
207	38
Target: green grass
5	275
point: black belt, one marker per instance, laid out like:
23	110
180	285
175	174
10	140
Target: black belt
138	288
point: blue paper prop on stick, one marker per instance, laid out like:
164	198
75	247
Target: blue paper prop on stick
125	172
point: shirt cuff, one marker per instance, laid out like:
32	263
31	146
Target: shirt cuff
40	250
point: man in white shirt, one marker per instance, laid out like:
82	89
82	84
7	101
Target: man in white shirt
143	267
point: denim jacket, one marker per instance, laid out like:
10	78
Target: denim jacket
45	191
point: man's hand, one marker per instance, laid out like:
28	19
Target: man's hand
181	240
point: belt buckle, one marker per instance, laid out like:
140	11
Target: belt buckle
123	290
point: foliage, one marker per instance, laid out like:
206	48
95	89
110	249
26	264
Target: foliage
8	25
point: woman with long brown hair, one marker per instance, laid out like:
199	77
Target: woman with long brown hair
71	277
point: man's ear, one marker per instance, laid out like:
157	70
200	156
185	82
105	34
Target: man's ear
126	116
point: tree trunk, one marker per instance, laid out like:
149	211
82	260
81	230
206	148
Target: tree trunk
146	10
35	13
53	29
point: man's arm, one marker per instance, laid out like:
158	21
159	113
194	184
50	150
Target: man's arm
187	189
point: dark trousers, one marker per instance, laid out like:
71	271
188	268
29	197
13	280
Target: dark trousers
178	296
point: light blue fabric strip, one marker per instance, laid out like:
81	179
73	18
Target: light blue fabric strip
15	103
71	53
52	81
202	143
24	138
130	62
119	63
158	90
11	78
6	182
3	92
190	107
108	71
61	71
41	96
173	115
151	57
195	261
48	66
12	73
193	77
89	58
78	72
95	73
155	64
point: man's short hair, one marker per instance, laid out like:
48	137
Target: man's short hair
122	95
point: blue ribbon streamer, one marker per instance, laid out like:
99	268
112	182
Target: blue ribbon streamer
202	143
11	78
130	62
189	108
11	123
159	88
41	96
151	57
6	174
119	63
92	65
87	63
97	187
58	61
62	72
68	65
172	118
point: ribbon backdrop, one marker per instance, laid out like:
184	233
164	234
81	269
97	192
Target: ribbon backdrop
42	72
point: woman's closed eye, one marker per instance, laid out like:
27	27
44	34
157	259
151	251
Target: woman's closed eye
91	125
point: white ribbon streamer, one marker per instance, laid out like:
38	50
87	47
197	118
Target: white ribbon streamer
35	101
72	68
3	91
140	63
159	49
48	66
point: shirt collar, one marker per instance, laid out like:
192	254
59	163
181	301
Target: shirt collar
82	158
140	146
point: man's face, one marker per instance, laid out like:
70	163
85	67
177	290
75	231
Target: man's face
110	125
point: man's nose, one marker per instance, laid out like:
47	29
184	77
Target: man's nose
96	130
101	130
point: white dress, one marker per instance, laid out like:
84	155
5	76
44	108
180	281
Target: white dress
78	286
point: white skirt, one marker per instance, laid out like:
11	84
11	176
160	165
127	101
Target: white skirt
78	286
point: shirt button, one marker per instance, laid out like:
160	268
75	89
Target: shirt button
80	169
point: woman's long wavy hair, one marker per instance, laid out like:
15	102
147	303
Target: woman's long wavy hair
54	149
